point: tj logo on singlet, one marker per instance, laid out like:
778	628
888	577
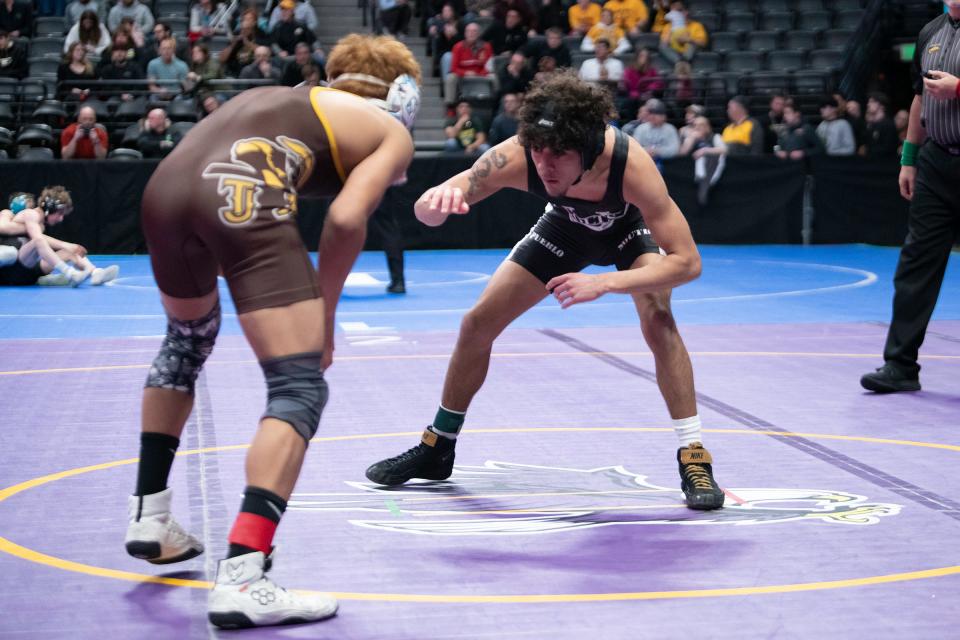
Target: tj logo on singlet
598	221
505	498
261	169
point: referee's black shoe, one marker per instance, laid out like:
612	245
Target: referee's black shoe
696	478
432	459
889	379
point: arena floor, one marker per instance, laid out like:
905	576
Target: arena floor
564	517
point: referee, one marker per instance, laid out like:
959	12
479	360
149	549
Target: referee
930	180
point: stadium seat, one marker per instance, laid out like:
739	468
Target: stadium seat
744	61
125	153
763	41
725	41
837	38
810	82
182	127
35	135
50	26
34	154
47	47
785	60
825	59
800	40
9	89
7	117
182	111
814	20
847	19
707	61
647	41
808	5
740	22
50	112
43	67
171	8
131	110
776	20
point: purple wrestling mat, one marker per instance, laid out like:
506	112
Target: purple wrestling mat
563	518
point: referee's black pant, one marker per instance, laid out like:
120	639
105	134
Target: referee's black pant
384	225
932	230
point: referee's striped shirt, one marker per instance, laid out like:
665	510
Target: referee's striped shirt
939	52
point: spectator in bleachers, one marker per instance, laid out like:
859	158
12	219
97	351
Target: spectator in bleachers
546	66
209	103
583	16
657	136
157	139
121	68
262	67
469	58
797	139
449	35
88	31
744	135
161	31
602	68
630	15
551	15
202	67
313	75
303	12
395	17
682	82
210	18
289	31
504	124
133	8
835	132
447	13
477	8
74	67
166	72
682	43
528	17
882	139
852	112
553	47
509	36
642	116
690	115
465	132
71	15
84	139
660	10
901	119
709	156
13	57
772	121
132	31
16	18
607	30
293	72
239	53
516	76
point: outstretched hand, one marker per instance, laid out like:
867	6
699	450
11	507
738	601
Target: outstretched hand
437	203
574	288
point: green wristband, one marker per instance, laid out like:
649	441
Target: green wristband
909	157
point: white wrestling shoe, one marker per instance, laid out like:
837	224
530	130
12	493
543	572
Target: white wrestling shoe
53	280
104	275
153	535
76	277
243	596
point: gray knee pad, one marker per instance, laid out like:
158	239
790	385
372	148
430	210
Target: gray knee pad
296	391
186	347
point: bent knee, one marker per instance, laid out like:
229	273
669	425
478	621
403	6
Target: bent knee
654	310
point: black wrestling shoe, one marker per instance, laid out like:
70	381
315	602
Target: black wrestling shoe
696	478
397	286
889	379
432	459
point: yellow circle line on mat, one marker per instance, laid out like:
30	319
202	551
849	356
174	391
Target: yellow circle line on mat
25	553
531	354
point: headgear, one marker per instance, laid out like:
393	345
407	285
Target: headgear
403	95
19	202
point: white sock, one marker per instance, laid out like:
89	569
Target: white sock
63	268
688	430
442	434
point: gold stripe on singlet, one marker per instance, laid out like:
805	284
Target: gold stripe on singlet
334	151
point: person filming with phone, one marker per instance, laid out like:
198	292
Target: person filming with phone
84	139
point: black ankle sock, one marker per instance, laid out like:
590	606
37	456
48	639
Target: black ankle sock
156	457
262	503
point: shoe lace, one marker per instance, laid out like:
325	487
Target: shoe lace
698	476
409	454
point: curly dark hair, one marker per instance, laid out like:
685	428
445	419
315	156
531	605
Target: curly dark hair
576	110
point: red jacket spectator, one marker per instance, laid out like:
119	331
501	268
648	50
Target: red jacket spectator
469	59
82	144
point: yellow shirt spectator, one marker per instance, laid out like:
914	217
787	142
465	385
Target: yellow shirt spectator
695	31
612	33
581	19
629	14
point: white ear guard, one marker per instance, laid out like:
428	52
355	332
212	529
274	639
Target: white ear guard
403	95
